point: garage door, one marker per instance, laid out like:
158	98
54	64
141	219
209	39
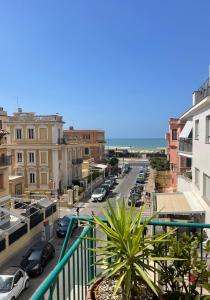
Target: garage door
206	190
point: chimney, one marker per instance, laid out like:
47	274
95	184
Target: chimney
194	97
71	128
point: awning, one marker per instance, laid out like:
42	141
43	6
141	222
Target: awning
99	166
186	130
178	203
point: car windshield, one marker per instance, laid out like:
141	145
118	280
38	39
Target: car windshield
64	221
5	283
98	191
108	181
34	255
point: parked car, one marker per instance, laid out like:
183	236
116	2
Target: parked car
37	257
12	282
62	226
140	179
98	194
109	182
135	200
113	178
106	187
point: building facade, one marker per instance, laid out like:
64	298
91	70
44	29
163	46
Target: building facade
195	145
93	142
177	163
39	152
5	160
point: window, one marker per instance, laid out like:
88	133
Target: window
1	181
188	162
208	129
31	133
206	187
0	124
18	133
87	151
197	177
196	129
43	133
32	178
19	157
31	157
174	134
43	157
44	178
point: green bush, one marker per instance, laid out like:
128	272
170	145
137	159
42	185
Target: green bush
159	163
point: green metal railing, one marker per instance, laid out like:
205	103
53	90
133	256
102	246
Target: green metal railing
76	268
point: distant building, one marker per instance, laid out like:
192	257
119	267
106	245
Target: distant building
93	142
40	153
177	164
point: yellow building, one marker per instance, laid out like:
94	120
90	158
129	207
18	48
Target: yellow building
5	160
39	152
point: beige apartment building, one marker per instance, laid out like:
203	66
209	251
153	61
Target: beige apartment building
5	160
93	142
39	152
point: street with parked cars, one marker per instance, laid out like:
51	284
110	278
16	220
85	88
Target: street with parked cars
38	259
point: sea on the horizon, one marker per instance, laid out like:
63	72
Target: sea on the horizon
146	143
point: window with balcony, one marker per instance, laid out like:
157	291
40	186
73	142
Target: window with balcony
18	133
206	187
174	134
31	157
208	129
196	129
197	178
32	178
19	157
30	133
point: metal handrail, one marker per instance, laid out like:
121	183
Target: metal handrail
49	284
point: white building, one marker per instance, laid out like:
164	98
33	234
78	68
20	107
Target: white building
195	144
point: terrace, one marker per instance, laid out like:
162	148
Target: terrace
71	277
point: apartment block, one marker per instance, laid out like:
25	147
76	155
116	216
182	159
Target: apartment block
40	153
93	142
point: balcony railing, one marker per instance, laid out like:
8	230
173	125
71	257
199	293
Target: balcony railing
70	279
5	160
203	91
185	145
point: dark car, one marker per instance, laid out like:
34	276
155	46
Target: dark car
135	200
62	226
37	257
106	187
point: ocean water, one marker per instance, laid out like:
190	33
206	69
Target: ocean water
149	143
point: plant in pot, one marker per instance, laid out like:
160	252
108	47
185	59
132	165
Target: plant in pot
183	277
125	256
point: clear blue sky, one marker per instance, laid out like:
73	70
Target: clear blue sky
125	66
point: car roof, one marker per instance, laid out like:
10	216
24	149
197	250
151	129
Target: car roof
40	245
10	271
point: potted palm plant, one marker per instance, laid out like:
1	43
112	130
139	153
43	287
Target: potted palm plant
125	256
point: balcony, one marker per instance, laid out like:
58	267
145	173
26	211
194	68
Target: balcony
70	279
202	92
185	145
5	160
